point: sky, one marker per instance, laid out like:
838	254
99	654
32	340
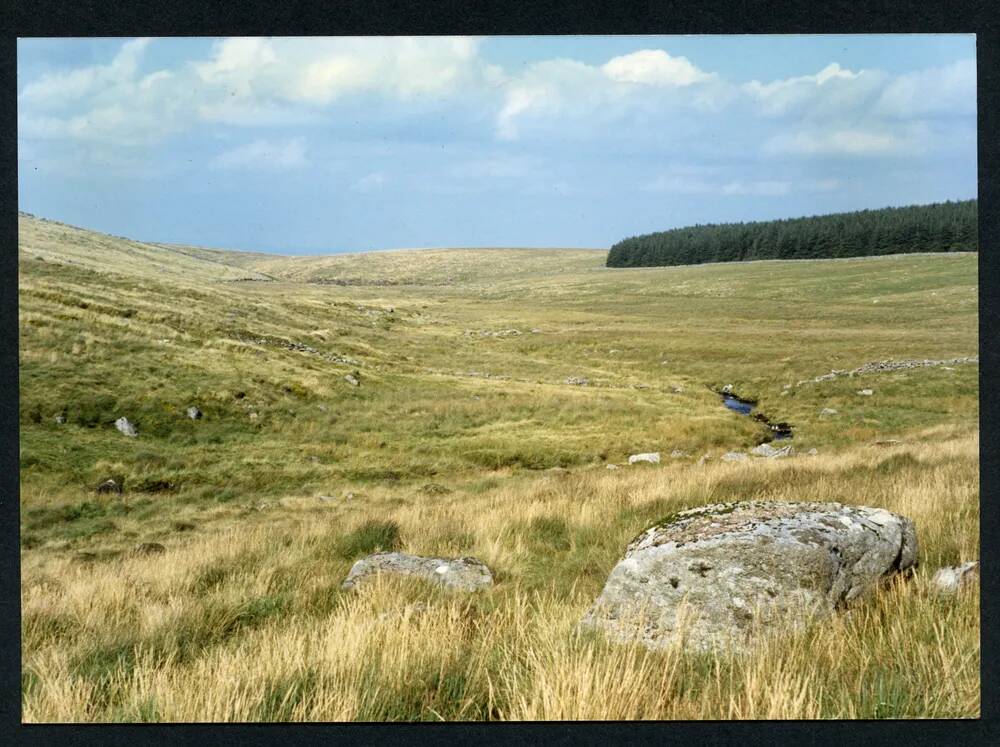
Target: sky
317	145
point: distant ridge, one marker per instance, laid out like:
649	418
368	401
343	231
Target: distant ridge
938	227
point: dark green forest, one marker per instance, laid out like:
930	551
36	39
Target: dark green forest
940	227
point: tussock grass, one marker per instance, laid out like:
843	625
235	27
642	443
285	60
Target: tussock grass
243	619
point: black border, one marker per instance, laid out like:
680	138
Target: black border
487	17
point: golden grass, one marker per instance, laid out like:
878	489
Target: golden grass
510	653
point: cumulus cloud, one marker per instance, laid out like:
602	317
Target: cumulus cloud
840	142
263	155
654	67
688	180
948	90
371	183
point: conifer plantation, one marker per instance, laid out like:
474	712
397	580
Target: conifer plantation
940	227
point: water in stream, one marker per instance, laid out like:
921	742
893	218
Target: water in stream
779	431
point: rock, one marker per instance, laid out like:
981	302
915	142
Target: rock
60	419
577	381
109	486
611	466
727	389
352	380
254	416
741	568
787	386
461	574
536	331
194	413
327	498
704	458
827	411
865	392
677	389
678	454
126	428
652	458
812	452
950	579
768	451
148	548
734	456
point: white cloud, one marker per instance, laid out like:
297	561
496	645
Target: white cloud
371	183
694	181
263	155
840	142
832	91
654	67
758	188
943	90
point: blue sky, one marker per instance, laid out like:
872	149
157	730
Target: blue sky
315	145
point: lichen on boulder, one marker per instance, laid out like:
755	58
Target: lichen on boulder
719	576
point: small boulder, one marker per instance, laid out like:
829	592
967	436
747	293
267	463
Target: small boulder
577	381
769	452
460	574
812	452
611	466
678	454
253	416
60	419
950	579
652	458
720	576
352	380
148	548
734	456
727	389
865	392
126	428
827	411
194	413
109	486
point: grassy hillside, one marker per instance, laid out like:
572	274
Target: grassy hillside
447	446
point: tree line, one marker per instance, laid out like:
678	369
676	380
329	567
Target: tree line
939	227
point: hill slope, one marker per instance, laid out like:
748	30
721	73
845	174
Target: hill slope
447	447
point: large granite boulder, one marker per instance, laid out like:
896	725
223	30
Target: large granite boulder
461	574
717	576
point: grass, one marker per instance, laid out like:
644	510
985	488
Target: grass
431	455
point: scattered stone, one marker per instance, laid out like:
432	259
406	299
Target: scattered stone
950	579
462	574
892	365
727	389
827	411
787	386
611	466
577	381
254	416
769	452
677	389
194	413
678	454
812	452
314	459
741	568
352	380
126	428
734	456
327	498
60	419
148	548
865	392
704	458
536	331
652	458
109	486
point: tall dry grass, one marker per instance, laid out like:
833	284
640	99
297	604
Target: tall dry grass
249	624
